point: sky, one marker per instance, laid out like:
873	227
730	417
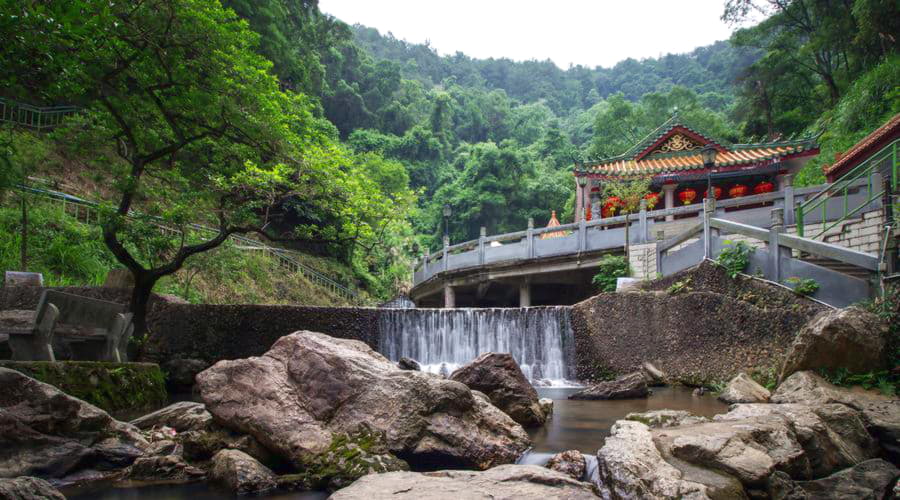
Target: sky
586	32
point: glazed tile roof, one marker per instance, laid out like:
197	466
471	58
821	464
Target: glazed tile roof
859	151
675	147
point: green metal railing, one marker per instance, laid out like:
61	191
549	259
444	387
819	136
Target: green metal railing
35	117
841	188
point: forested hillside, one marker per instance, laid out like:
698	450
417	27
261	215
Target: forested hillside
346	142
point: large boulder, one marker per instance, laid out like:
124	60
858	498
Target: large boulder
50	434
408	364
28	488
631	386
163	468
183	416
241	473
498	376
310	388
665	418
526	482
629	465
181	373
852	339
570	463
743	389
869	480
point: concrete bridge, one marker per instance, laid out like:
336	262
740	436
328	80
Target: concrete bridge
524	268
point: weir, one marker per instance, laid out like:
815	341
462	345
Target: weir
441	340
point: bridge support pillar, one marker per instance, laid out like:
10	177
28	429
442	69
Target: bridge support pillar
669	198
525	294
449	296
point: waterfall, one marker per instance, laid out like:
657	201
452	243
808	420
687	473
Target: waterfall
442	340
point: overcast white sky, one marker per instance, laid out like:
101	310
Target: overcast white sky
587	32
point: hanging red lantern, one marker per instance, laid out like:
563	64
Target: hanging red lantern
687	196
764	187
716	190
652	200
737	191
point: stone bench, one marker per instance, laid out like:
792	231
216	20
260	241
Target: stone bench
88	329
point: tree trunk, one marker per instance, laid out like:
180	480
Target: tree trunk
23	252
140	299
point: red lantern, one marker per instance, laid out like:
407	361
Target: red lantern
687	196
737	191
652	200
716	190
764	187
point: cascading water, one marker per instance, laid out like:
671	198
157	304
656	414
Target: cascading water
441	340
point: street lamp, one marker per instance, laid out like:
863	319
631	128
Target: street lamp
582	182
447	213
708	154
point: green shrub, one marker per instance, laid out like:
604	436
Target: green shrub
735	257
803	286
679	286
611	267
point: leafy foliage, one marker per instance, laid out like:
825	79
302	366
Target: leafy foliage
803	286
611	268
735	257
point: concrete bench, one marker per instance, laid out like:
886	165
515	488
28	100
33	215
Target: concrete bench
89	329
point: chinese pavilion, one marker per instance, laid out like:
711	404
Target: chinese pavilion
680	160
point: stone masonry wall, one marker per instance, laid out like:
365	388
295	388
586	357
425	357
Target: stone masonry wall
642	259
863	234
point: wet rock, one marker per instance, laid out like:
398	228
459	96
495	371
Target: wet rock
204	444
163	468
181	373
629	465
869	480
655	377
666	418
526	482
241	473
807	388
408	364
830	436
48	433
183	416
498	376
852	339
164	447
743	389
28	488
546	405
570	463
700	391
310	387
629	386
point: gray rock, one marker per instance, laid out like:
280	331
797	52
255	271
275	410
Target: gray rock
655	377
181	373
743	389
525	482
163	468
546	407
203	444
310	387
28	488
241	473
570	463
408	364
869	480
630	386
851	339
183	416
499	377
48	433
666	418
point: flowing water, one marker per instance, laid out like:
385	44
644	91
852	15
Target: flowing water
442	340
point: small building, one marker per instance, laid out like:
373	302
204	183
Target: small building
877	142
680	160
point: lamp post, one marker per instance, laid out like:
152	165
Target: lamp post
582	182
708	154
447	213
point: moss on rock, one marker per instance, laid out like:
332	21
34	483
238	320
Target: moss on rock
113	387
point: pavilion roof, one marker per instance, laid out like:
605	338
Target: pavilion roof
675	146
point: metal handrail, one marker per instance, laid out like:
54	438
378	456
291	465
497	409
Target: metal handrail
286	258
36	117
840	188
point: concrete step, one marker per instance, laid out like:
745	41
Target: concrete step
841	267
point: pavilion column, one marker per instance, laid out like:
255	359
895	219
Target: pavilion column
669	198
525	294
449	296
579	197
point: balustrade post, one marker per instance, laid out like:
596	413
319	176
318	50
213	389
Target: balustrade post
529	240
709	206
642	222
660	237
481	237
775	251
425	264
446	255
582	232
